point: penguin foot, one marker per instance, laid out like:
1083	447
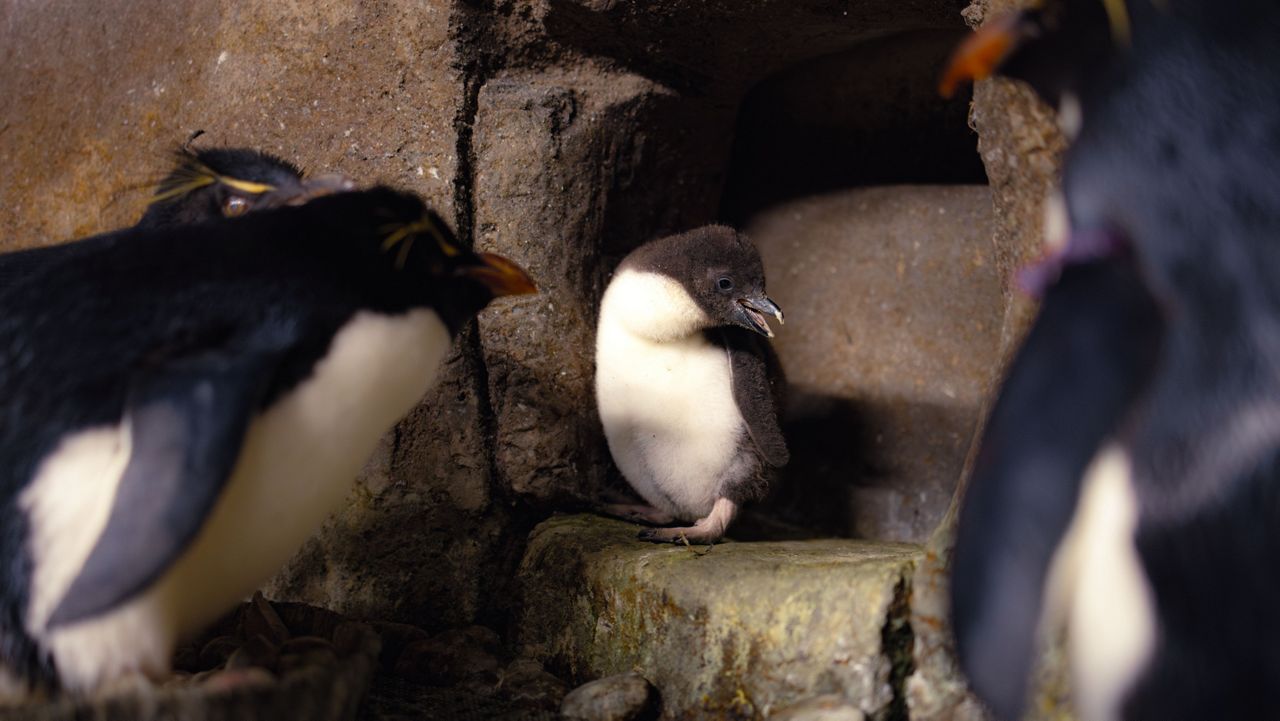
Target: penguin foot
705	531
637	513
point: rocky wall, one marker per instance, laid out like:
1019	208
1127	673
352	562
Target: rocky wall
559	132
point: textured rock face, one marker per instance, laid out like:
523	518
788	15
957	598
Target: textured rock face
730	632
561	133
893	323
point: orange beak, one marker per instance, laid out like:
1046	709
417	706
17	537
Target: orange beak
500	276
981	53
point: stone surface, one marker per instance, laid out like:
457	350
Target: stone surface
733	631
830	707
894	306
621	697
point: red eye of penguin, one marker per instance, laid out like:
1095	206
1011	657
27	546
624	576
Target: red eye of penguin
234	205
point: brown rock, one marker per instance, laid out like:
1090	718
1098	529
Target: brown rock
260	619
526	683
217	651
256	652
450	657
623	697
831	707
238	679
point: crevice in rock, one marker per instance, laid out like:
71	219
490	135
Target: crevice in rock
470	23
472	29
898	644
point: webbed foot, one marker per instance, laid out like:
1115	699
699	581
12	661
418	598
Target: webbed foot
705	531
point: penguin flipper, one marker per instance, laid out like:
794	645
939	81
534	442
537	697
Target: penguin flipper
1082	366
757	392
186	421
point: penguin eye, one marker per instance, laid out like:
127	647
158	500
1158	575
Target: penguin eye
724	284
235	205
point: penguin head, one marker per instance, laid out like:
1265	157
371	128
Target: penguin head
228	182
720	273
406	252
1055	46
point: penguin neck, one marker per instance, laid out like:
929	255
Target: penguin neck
653	306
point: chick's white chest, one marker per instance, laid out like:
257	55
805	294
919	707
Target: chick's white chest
668	411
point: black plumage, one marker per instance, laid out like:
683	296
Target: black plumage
1163	345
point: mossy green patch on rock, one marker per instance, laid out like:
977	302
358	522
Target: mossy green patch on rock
730	631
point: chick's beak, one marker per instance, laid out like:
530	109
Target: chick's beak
755	309
499	275
980	54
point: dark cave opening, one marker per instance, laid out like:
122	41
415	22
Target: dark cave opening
867	197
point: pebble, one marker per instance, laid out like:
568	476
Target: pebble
451	657
218	650
830	707
526	680
262	619
624	697
239	678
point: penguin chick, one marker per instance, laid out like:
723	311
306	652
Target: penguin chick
1127	484
229	182
180	408
688	392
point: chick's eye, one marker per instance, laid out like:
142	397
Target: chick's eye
724	284
234	205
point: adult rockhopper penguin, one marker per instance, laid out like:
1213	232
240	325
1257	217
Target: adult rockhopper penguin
687	387
181	407
1128	482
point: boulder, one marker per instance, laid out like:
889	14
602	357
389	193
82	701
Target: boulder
734	630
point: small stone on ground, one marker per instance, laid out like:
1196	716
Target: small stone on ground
623	697
828	707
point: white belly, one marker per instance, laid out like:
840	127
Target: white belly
669	416
1100	591
297	465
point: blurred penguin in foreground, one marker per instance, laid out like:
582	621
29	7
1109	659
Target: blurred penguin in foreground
1128	484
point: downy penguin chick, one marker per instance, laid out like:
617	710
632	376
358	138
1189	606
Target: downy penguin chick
687	387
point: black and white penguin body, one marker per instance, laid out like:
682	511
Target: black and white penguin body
687	386
180	408
1127	483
